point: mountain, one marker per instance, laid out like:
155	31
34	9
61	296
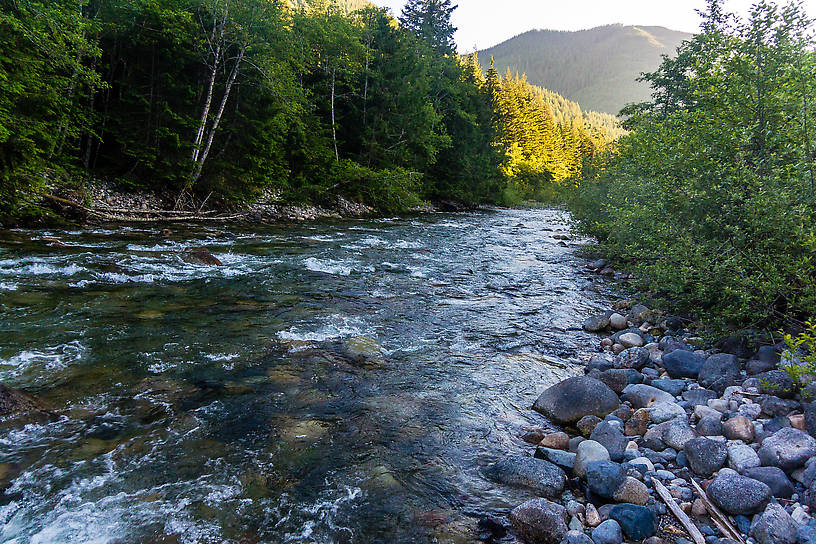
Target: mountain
346	5
597	68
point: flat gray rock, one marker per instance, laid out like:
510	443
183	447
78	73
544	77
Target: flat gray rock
574	398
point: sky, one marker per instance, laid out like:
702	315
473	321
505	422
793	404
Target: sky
484	23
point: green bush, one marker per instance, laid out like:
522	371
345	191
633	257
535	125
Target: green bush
710	198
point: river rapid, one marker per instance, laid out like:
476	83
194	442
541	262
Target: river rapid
332	382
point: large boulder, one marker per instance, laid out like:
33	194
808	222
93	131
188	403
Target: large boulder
574	398
738	495
540	521
775	526
720	371
787	449
637	522
705	456
643	396
682	364
610	436
542	477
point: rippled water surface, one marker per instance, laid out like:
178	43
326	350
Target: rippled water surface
332	382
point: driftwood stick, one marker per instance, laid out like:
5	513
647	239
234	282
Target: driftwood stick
689	525
721	520
153	212
177	217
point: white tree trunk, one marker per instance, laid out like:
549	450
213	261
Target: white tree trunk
199	164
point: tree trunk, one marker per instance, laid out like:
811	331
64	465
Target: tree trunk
217	121
334	126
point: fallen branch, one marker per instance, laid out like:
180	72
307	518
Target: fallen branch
681	516
177	217
720	520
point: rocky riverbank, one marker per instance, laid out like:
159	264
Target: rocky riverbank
100	202
667	439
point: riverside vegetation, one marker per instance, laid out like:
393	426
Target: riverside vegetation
215	103
708	201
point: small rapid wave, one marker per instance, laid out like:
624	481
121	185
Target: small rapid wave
330	266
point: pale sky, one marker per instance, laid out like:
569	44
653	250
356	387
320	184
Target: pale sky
484	23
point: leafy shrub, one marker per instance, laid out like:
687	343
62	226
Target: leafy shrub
710	198
801	353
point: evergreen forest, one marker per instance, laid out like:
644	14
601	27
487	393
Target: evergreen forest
221	101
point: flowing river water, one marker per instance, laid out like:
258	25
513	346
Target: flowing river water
332	382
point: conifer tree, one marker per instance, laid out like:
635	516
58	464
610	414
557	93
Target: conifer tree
430	20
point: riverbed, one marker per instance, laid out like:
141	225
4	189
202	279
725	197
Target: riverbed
341	381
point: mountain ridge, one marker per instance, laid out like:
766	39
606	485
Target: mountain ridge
596	67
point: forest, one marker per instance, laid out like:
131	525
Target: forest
710	199
219	101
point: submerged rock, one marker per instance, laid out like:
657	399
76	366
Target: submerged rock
596	323
200	255
13	401
574	398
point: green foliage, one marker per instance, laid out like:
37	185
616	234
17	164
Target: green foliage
218	100
430	21
710	197
801	352
44	51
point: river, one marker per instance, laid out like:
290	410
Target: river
332	382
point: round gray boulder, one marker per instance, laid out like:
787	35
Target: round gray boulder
538	475
574	398
682	364
787	449
705	456
738	495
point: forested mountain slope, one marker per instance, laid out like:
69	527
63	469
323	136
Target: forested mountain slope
597	68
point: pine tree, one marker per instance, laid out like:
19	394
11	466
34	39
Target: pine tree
430	20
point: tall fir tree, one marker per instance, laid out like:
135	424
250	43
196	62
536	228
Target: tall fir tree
430	20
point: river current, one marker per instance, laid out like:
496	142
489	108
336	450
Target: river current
333	382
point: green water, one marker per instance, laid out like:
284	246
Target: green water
332	382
